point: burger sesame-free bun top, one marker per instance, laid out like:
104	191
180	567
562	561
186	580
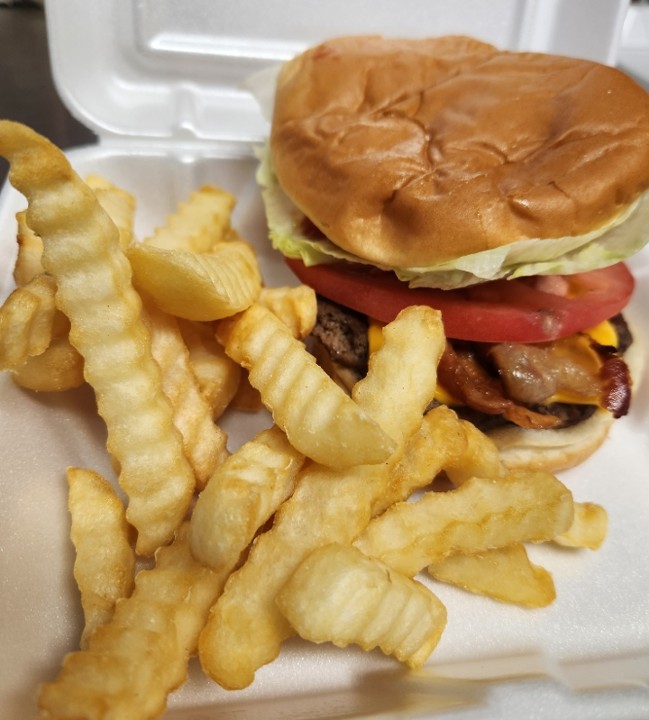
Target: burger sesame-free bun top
411	152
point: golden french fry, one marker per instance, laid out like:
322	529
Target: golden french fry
105	561
246	629
319	419
588	529
241	495
198	286
296	307
504	574
218	376
81	251
57	369
26	321
480	458
246	398
204	443
136	659
339	595
118	203
101	182
199	223
481	514
30	249
378	391
440	441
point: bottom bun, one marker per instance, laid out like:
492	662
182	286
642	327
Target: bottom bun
551	450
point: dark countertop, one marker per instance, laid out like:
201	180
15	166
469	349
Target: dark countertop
27	91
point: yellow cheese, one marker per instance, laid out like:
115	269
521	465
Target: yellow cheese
604	334
443	396
375	335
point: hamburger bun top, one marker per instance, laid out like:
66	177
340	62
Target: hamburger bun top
410	152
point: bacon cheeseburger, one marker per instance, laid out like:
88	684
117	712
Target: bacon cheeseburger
503	188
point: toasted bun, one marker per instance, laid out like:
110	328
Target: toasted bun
552	450
556	450
411	152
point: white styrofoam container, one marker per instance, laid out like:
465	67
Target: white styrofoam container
161	83
633	47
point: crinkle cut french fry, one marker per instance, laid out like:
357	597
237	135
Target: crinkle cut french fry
26	321
296	307
319	419
504	574
481	514
81	251
439	442
198	286
246	398
105	561
339	595
30	249
59	366
218	376
480	458
241	495
377	393
118	203
442	442
204	442
134	661
199	223
57	369
246	629
588	529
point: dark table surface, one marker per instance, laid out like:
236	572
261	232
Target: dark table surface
27	91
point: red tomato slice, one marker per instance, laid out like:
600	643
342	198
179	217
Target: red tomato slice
497	311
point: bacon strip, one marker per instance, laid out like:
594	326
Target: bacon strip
462	374
615	380
577	366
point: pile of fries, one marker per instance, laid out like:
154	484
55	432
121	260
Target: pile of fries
334	523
